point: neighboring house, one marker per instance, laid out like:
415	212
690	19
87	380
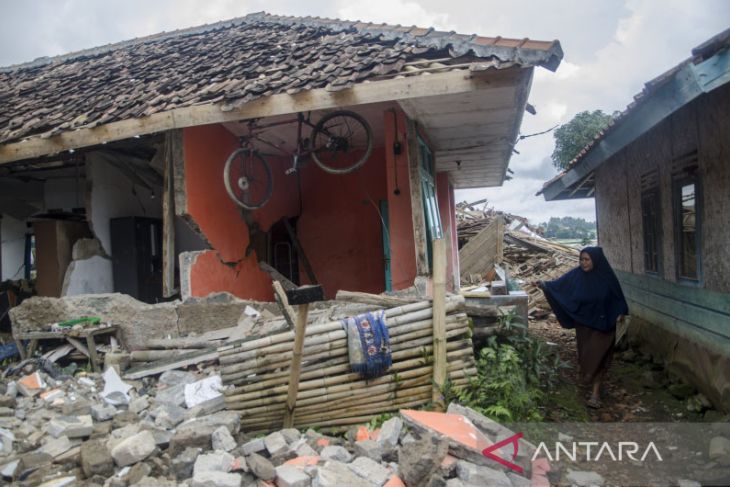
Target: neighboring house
660	175
143	128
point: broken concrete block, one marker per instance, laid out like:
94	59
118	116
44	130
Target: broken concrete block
9	470
96	459
139	404
390	432
370	470
52	395
222	439
336	474
197	432
7	438
218	461
182	464
584	479
205	393
216	479
276	443
254	446
303	449
289	476
369	448
30	385
176	377
76	407
168	415
261	467
480	475
134	449
418	461
71	426
174	395
56	447
337	453
103	412
291	435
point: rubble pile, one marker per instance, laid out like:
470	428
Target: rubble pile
96	429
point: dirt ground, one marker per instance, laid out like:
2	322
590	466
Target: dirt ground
630	394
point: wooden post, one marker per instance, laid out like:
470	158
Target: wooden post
439	321
168	220
296	365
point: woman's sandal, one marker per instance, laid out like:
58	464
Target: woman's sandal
593	402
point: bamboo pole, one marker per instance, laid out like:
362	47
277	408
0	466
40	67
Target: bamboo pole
372	299
320	386
401	350
296	366
264	358
403	360
439	322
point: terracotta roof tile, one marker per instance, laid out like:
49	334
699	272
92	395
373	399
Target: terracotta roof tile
232	63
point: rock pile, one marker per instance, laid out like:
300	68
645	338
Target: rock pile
95	429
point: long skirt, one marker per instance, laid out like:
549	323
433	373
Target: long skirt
595	351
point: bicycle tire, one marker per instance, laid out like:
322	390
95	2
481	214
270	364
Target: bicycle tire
341	143
254	181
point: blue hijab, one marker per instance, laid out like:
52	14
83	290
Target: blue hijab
592	298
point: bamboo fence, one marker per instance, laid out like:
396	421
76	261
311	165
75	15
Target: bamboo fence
329	393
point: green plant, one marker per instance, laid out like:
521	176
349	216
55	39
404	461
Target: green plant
378	420
514	369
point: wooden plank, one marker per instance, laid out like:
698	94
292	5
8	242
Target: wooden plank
296	365
168	221
277	276
374	299
287	310
481	251
439	322
417	213
300	252
500	239
172	364
439	84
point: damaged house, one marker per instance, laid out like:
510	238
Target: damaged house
660	175
113	159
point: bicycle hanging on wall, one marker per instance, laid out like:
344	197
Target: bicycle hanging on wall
340	142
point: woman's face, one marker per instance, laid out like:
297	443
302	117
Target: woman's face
585	262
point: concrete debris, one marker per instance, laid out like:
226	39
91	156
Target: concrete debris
205	393
222	439
115	390
134	449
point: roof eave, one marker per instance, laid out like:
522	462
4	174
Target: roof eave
688	82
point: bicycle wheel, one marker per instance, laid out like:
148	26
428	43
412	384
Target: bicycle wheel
247	177
341	142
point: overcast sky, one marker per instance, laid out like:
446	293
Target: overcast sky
611	48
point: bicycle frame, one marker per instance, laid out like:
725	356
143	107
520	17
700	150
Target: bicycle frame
254	129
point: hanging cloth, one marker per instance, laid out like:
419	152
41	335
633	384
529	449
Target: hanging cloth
368	344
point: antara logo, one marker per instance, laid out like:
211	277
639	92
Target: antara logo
594	451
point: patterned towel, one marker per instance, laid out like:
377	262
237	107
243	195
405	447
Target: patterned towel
368	344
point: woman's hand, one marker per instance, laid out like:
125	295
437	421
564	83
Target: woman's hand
620	318
538	284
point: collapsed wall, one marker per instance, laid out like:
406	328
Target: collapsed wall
139	321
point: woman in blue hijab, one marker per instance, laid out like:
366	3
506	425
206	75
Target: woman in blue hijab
589	299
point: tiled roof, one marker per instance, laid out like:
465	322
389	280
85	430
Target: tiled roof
231	63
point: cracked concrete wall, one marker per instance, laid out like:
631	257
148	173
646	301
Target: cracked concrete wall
139	321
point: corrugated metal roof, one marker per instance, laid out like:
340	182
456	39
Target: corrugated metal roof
699	54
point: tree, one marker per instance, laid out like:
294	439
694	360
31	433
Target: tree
572	137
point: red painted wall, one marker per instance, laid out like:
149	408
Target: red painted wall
339	226
402	243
